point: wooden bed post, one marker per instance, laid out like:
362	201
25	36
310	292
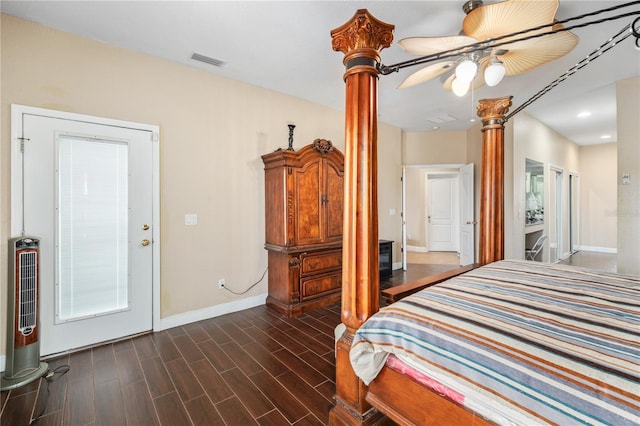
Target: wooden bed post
361	40
492	112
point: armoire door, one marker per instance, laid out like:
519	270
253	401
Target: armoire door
334	184
309	203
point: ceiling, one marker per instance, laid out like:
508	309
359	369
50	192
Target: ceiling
285	46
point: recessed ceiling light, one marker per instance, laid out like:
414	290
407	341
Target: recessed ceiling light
435	128
605	137
473	120
584	114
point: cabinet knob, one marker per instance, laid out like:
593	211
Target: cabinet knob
313	265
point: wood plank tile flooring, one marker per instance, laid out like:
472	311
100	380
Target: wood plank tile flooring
249	367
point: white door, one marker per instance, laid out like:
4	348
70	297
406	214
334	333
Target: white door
467	216
441	214
554	215
88	196
574	213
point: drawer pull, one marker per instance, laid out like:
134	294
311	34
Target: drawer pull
313	265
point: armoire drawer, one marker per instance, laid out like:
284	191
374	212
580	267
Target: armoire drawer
318	262
317	286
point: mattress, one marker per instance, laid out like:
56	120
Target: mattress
519	343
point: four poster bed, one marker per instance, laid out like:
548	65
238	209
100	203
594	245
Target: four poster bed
511	342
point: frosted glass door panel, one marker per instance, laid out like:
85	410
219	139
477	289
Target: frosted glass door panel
92	228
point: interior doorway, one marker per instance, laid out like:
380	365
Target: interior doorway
417	204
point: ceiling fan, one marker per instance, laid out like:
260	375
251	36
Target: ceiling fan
482	24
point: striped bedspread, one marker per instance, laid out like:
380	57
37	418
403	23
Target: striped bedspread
519	343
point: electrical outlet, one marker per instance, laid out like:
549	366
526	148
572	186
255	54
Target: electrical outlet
221	283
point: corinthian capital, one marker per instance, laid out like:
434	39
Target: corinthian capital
490	110
363	31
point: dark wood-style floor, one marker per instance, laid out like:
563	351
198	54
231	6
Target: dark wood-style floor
249	367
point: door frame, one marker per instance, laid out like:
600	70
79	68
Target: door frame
16	226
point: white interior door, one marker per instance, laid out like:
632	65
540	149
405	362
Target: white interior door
554	213
467	216
88	195
441	214
574	213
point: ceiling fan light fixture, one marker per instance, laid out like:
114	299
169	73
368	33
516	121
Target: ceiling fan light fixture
494	73
459	87
466	71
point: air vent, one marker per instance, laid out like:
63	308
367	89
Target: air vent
445	118
207	60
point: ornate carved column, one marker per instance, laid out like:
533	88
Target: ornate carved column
492	112
361	40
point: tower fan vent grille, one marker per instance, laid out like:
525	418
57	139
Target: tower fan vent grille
28	291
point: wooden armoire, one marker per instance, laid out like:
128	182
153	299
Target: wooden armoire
303	226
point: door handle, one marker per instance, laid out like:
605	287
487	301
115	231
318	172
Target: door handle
429	219
145	242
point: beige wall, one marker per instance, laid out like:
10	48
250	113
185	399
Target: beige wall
213	131
428	148
390	187
628	107
474	155
598	197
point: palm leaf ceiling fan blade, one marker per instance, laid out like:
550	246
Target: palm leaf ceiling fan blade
507	17
427	73
525	55
431	45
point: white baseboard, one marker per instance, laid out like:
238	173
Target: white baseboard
3	360
397	265
599	249
417	249
210	312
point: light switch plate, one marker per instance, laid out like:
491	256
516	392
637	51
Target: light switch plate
191	219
